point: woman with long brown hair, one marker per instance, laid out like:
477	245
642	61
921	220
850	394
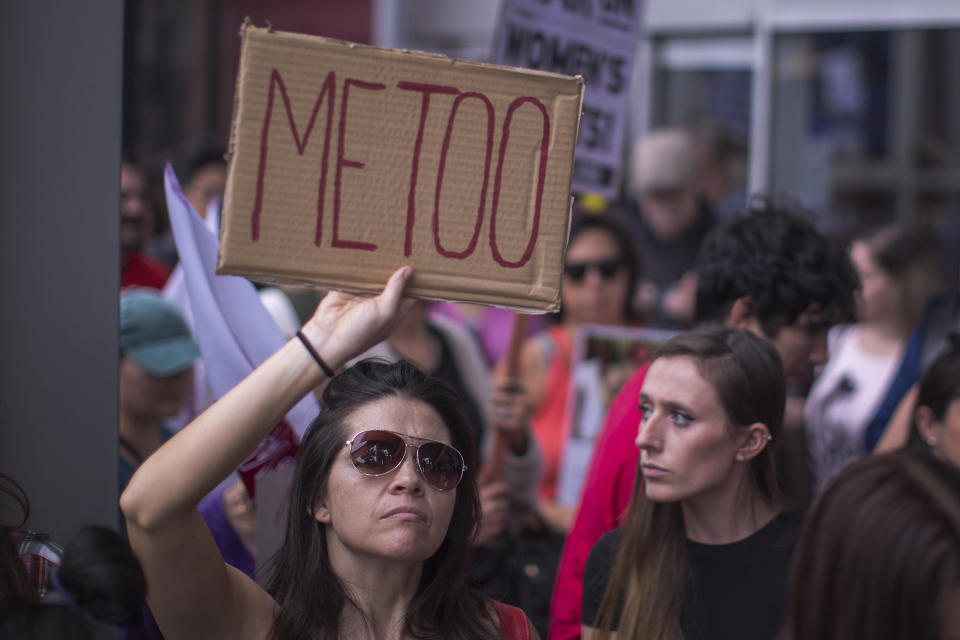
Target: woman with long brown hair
383	507
706	545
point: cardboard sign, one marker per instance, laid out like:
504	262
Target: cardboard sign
348	161
593	38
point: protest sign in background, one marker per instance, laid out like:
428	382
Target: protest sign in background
604	358
595	39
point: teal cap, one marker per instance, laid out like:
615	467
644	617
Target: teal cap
154	335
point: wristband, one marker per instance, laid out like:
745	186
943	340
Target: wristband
316	356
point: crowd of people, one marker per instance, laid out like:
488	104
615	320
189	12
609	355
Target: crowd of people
787	465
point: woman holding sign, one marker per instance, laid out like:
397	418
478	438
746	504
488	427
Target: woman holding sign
382	511
600	274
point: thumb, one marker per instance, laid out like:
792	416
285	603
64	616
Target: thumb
393	292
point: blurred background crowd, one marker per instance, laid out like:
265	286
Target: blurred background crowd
815	110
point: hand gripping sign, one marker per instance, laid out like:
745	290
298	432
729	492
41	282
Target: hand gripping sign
348	161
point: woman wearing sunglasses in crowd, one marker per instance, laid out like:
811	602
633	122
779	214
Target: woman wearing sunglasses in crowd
382	510
600	274
706	545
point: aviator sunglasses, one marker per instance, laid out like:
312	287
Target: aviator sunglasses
608	268
376	453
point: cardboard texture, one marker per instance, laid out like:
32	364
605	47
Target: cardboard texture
348	161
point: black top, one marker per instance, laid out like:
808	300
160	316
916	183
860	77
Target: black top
736	590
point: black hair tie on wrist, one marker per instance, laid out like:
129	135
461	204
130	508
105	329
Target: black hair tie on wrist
316	356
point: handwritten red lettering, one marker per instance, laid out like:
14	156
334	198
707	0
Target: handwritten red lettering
426	89
460	255
541	177
329	85
342	162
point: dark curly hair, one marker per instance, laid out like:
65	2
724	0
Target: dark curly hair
781	262
310	595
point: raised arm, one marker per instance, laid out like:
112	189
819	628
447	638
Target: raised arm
192	592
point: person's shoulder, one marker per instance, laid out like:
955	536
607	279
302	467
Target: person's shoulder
142	270
783	531
789	522
611	539
147	262
514	624
606	547
597	573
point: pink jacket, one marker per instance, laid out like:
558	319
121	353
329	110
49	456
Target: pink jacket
606	494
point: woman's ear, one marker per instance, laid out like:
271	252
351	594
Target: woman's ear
926	424
320	511
753	441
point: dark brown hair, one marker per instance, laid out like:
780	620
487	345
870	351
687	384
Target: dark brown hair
879	556
939	387
648	577
303	582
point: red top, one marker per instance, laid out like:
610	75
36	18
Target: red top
513	622
143	270
548	421
605	497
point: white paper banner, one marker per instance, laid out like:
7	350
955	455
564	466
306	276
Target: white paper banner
234	330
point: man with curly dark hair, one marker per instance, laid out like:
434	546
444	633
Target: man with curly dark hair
773	273
769	271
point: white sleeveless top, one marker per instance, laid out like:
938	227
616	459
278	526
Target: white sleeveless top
843	400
